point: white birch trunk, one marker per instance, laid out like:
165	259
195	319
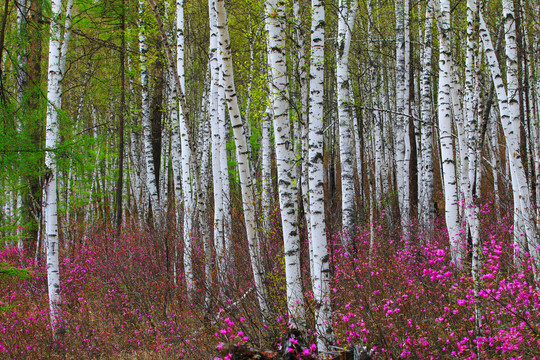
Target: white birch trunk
346	16
445	135
224	170
460	146
357	152
303	118
65	40
217	125
493	132
378	157
186	157
510	123
471	172
402	146
471	124
427	212
248	198
266	168
54	104
301	123
218	197
151	181
166	143
320	257
203	198
284	160
519	180
176	160
137	176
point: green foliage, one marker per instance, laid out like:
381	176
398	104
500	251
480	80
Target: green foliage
17	274
7	271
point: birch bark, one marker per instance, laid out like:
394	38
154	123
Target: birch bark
172	109
288	194
54	104
188	182
427	212
151	181
215	139
266	167
471	173
301	133
402	145
493	133
346	18
519	180
445	135
510	124
202	201
248	199
320	258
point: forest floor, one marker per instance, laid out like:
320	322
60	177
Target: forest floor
120	301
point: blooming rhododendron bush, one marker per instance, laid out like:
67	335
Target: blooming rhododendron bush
410	302
407	301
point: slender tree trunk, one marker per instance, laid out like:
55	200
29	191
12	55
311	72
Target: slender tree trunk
346	16
493	133
217	124
471	174
248	199
303	127
266	168
216	158
188	183
120	182
510	124
403	146
288	197
202	201
427	212
445	135
54	104
151	181
519	180
318	241
224	170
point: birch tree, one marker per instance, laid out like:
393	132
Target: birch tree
403	146
172	100
519	178
427	208
318	241
151	181
213	118
266	167
186	156
471	174
445	136
284	159
303	126
54	104
523	216
248	199
346	16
